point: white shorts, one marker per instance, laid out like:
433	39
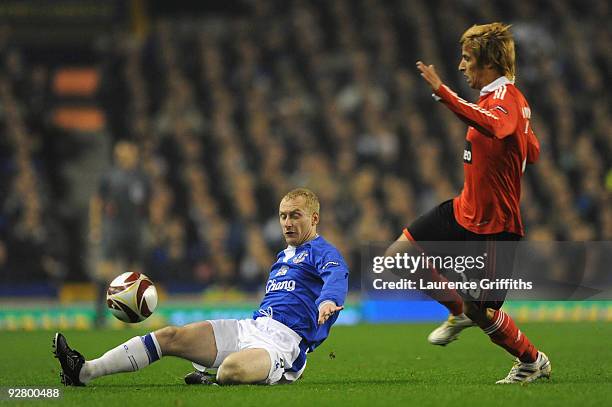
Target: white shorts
281	342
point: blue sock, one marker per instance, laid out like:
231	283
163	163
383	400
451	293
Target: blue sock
151	346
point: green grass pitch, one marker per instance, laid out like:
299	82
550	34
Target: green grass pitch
373	365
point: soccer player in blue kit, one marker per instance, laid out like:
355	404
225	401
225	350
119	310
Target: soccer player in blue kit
305	291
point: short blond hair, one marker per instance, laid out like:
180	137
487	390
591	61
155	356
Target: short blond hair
492	44
312	201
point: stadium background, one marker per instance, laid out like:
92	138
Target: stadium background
234	103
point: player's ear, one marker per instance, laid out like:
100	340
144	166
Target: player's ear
315	219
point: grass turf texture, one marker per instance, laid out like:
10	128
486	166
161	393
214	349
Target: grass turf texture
373	365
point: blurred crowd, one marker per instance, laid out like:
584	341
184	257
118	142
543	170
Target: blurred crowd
230	113
32	242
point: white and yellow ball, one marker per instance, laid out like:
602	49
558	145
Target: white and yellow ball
131	297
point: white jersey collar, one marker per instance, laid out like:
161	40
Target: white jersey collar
295	247
289	252
497	83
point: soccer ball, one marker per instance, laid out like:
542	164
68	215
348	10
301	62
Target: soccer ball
131	297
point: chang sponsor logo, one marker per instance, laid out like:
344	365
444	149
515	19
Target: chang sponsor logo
273	285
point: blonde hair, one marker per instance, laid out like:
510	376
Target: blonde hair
312	201
492	44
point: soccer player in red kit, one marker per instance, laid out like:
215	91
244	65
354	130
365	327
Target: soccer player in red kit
499	144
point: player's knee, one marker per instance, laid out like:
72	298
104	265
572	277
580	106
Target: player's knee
390	252
401	245
231	371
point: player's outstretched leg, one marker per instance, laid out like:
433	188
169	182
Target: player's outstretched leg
130	356
194	342
71	361
450	329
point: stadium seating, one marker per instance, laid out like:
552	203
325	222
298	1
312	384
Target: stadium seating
232	111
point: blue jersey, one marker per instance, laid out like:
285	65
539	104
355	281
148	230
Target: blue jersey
302	278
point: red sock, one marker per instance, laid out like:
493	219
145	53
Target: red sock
503	331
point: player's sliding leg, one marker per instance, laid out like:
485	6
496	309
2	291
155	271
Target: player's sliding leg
531	364
246	366
457	320
243	367
198	345
194	342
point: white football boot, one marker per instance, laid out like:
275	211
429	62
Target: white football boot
450	330
528	372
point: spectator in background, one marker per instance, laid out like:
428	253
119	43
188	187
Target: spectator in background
221	107
118	214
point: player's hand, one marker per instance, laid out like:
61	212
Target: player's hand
428	72
327	310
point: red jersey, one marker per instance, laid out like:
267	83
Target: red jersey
499	144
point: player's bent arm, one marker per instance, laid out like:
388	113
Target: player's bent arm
493	122
335	287
335	283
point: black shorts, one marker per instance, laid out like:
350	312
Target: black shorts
440	225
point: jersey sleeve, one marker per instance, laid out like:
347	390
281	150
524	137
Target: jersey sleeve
533	147
500	120
334	272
